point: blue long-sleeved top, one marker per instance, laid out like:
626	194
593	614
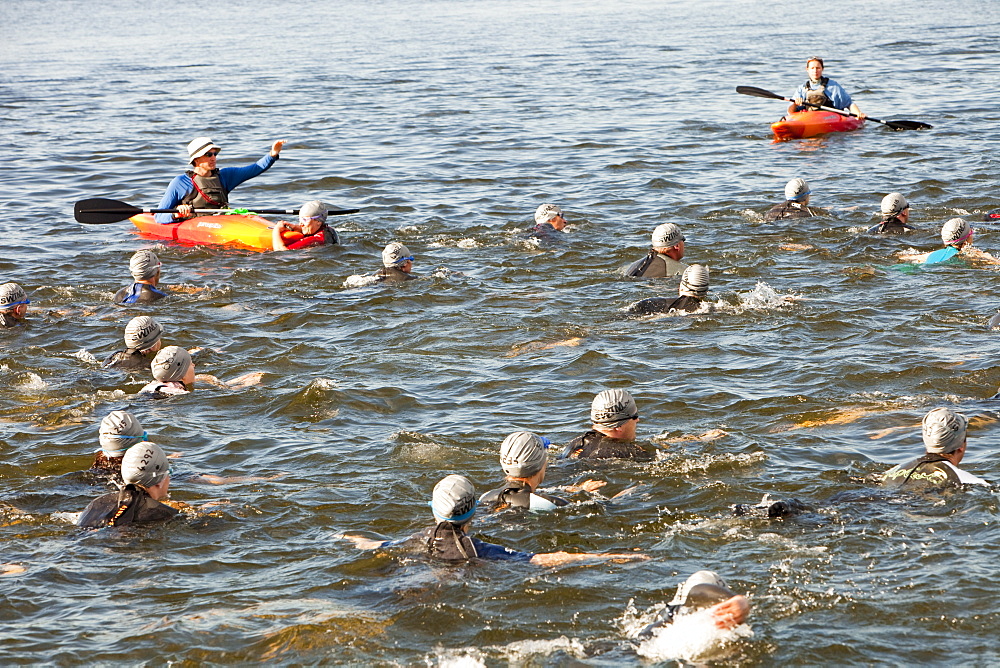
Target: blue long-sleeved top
229	176
838	96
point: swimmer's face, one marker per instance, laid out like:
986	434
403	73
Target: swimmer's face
558	222
407	266
310	225
815	70
19	311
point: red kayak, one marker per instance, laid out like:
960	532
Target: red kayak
249	231
801	124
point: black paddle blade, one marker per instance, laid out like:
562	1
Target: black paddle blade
758	92
908	125
992	216
99	211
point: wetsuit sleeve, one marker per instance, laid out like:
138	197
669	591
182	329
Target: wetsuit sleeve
98	512
230	177
178	188
838	96
499	552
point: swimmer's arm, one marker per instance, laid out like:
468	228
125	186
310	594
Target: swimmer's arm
183	289
549	559
230	480
243	381
586	486
363	543
277	243
732	612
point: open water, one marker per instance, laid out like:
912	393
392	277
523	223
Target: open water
447	123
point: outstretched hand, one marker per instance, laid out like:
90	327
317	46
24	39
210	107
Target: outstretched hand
276	147
731	613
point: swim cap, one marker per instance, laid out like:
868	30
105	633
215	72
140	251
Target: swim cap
144	265
395	254
145	465
522	454
893	204
667	235
199	146
944	430
694	281
699	578
170	364
955	231
546	212
796	189
454	500
120	431
314	209
613	408
142	333
12	294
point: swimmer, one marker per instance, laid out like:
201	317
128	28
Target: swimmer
704	589
664	258
796	204
397	264
120	430
614	417
548	218
142	342
145	269
453	504
312	226
945	439
173	373
895	216
13	304
693	290
146	474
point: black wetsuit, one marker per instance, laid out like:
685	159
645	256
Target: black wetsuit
515	494
392	275
139	293
772	509
595	445
931	470
447	542
8	320
130	506
891	226
701	596
788	209
655	265
128	360
652	305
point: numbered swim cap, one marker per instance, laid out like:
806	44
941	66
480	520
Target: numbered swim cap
522	454
796	189
894	204
613	408
145	464
694	281
395	254
547	212
171	364
667	235
144	265
955	231
314	209
142	333
454	500
120	430
944	430
199	146
12	294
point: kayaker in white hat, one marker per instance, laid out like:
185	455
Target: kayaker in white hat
206	186
822	90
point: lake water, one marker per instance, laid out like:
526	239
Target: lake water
447	124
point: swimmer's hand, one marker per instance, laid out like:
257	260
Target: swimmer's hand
229	480
360	542
587	486
549	559
731	613
247	380
11	569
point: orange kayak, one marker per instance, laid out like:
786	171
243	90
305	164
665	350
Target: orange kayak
250	231
801	124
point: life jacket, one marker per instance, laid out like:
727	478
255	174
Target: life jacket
818	95
317	239
932	469
517	494
207	192
448	542
129	506
595	445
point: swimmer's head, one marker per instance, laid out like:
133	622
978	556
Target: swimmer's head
667	235
144	265
522	454
694	281
796	190
547	212
314	209
613	408
894	204
955	231
703	589
171	364
396	255
120	430
142	333
454	500
145	464
944	430
199	146
12	295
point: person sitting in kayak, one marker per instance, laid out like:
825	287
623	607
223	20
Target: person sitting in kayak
13	304
614	417
548	218
397	264
693	290
796	204
821	90
142	342
145	269
312	226
206	186
895	216
664	258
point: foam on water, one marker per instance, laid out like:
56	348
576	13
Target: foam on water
692	637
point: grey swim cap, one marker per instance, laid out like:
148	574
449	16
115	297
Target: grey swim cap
893	204
699	578
12	294
944	430
144	265
694	281
613	408
119	431
142	333
522	454
170	364
955	231
145	464
199	146
395	254
314	209
667	235
454	500
796	189
546	212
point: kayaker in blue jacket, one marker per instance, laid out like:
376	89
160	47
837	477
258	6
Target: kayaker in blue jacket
206	186
823	91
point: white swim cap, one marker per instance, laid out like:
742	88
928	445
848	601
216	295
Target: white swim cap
119	431
796	189
142	333
145	464
546	212
144	265
694	281
667	235
944	430
170	364
894	204
701	577
314	209
454	500
395	254
12	294
522	454
613	408
955	231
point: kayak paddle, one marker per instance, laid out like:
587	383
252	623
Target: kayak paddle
941	255
894	125
98	211
992	216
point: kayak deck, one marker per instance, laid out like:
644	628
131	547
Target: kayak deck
248	231
802	124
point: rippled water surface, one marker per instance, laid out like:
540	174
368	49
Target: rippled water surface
447	123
